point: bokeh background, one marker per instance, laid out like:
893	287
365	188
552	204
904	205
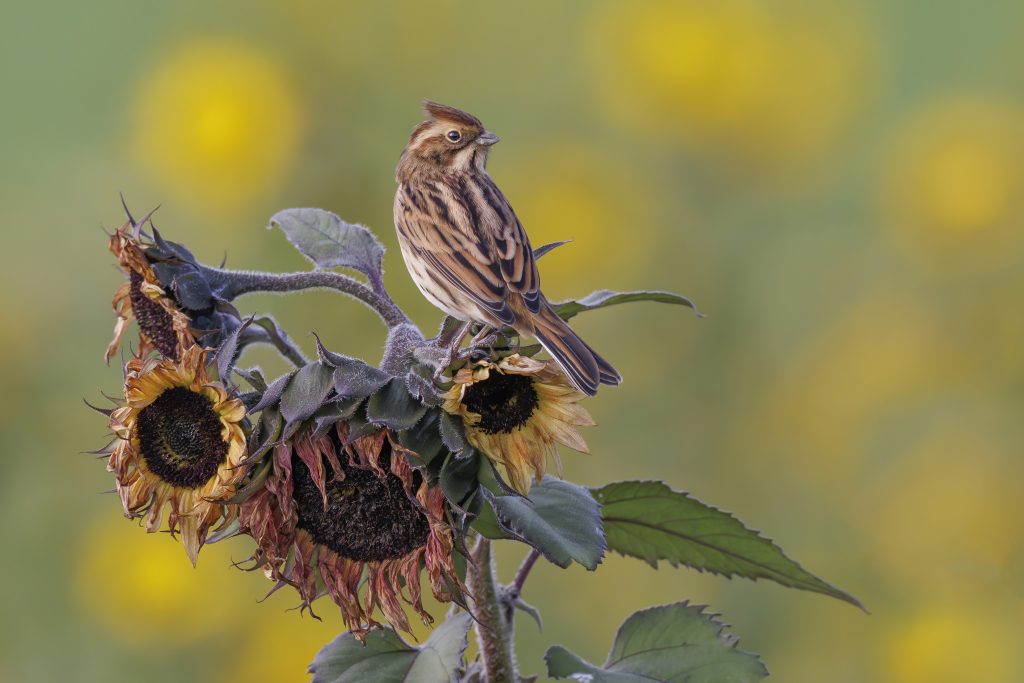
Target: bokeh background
838	185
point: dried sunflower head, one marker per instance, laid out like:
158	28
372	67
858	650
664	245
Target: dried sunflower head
180	445
516	410
163	324
335	513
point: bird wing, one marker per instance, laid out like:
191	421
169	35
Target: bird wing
441	229
512	246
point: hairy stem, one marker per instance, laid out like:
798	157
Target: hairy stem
235	283
524	571
269	333
493	628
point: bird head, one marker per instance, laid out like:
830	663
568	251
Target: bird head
449	140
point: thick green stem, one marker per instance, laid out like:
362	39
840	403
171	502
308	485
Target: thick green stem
493	628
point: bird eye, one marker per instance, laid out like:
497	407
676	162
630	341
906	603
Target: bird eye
454	135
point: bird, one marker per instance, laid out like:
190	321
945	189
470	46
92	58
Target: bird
466	249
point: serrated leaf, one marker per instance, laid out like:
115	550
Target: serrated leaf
394	407
330	242
606	297
306	392
386	658
558	518
650	521
678	642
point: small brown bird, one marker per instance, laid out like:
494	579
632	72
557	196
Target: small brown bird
466	249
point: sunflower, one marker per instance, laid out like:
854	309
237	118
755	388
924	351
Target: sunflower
335	510
180	443
516	411
162	324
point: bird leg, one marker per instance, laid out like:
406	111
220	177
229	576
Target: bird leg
453	348
485	338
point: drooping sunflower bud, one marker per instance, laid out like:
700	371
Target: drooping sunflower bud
163	325
333	510
180	445
516	411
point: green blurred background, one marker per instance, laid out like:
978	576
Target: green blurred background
838	185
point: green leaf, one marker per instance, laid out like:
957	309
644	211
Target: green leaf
677	643
545	248
459	477
386	658
453	433
423	438
558	518
606	297
272	394
650	521
394	407
306	392
330	242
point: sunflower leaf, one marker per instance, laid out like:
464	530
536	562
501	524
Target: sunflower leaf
227	353
273	393
332	412
394	407
423	438
678	642
606	297
458	478
453	434
545	248
558	518
305	393
386	658
650	521
330	242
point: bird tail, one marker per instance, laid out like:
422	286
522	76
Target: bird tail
582	364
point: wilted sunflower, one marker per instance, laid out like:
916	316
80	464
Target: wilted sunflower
516	411
162	323
333	510
180	443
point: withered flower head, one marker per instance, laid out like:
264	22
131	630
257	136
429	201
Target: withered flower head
333	511
516	411
180	444
163	325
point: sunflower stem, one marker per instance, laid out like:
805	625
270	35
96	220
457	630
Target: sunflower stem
234	283
269	333
494	626
524	571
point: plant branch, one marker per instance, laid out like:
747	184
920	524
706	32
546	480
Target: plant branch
493	628
524	571
269	333
235	283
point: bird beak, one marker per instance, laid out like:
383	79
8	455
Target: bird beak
487	139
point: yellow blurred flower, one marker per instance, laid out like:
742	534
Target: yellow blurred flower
945	519
840	389
218	122
566	192
144	590
953	644
955	179
748	81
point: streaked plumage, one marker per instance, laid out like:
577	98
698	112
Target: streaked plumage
465	248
